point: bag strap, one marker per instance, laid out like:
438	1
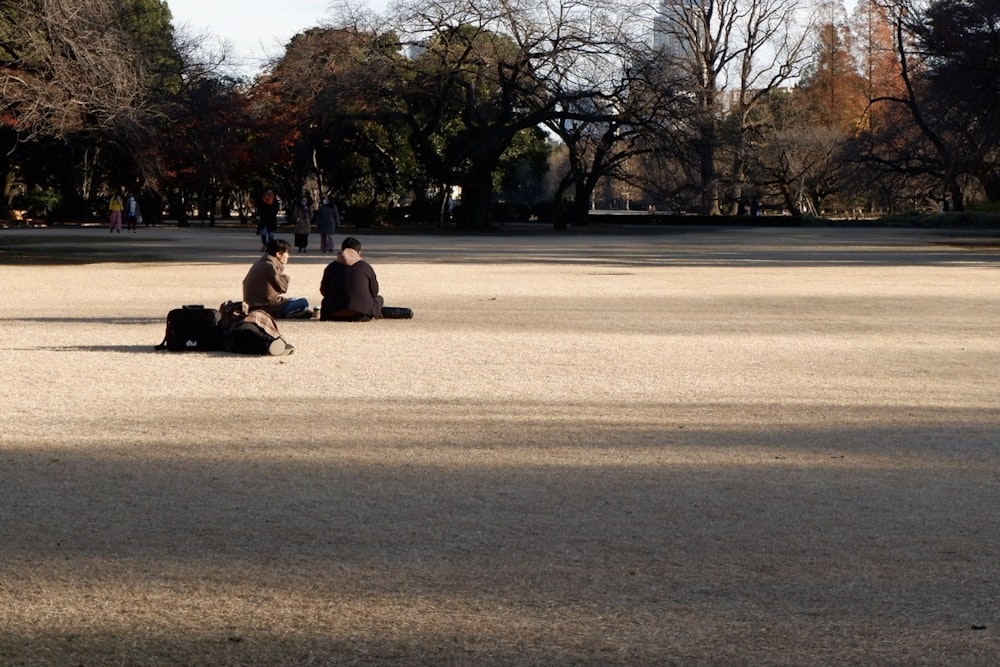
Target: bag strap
163	343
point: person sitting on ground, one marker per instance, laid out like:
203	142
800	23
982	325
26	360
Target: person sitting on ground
266	284
350	289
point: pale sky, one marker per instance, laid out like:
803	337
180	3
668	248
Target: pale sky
256	29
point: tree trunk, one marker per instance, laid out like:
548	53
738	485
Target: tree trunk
791	202
957	194
709	180
477	194
8	183
560	221
581	204
90	158
991	184
574	177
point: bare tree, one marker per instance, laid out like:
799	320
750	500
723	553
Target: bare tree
729	55
873	43
485	72
66	67
948	59
919	148
612	101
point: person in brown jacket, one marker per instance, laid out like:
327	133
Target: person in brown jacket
266	284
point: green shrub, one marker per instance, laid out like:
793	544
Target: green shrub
38	203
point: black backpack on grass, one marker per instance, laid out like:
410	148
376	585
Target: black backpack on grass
192	328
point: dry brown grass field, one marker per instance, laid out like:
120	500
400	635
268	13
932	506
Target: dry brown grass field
694	447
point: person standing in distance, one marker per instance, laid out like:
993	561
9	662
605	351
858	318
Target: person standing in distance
267	217
131	212
115	208
303	222
328	219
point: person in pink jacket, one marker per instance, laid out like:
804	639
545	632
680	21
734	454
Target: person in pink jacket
115	208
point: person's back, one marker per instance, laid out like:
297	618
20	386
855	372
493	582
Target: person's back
267	210
327	218
267	217
349	286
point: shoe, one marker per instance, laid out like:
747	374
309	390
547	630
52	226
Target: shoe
396	313
300	314
279	348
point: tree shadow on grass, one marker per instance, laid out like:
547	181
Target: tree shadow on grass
87	320
430	539
128	349
131	349
677	247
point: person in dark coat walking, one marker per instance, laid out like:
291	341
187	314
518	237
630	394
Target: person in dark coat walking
267	217
303	223
328	219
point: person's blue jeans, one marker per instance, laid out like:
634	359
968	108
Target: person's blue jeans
294	304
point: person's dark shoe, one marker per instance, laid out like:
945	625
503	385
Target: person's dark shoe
395	313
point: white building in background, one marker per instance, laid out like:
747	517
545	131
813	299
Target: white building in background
676	26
